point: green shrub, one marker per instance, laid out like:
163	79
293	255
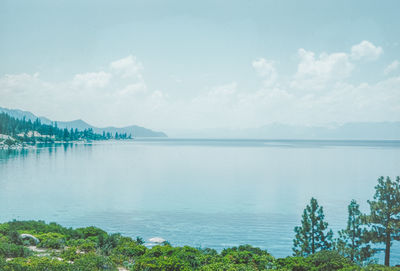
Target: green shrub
93	262
328	260
51	240
248	255
8	250
130	249
160	264
91	231
294	263
227	267
70	254
4	229
36	264
93	249
190	255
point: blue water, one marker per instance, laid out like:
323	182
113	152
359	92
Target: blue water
203	193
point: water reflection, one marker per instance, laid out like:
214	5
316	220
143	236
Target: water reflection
36	151
9	154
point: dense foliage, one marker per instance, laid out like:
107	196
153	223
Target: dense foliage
91	248
37	246
22	130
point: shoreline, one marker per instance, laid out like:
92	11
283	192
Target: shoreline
60	248
25	146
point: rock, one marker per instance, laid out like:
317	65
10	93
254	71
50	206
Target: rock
36	249
157	240
30	236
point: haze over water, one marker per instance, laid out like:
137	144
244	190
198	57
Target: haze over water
203	193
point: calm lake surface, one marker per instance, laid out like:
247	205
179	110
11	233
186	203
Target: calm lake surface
203	193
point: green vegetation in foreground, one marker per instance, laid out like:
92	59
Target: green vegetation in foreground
26	131
90	248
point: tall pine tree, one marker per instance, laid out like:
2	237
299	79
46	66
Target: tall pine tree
351	242
313	235
384	219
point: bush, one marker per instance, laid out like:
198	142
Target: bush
51	240
36	264
190	255
85	233
130	249
12	250
160	264
227	267
35	227
93	262
92	249
4	229
248	255
108	242
294	263
87	246
327	260
70	254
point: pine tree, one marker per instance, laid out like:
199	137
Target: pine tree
384	218
66	135
313	235
351	242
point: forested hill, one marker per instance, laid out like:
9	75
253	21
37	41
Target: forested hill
134	130
28	131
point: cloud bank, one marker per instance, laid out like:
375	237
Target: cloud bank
319	92
365	50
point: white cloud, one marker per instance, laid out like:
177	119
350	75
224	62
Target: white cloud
18	80
226	107
127	67
316	72
392	67
97	97
220	106
222	92
265	69
104	99
365	50
135	88
15	87
27	92
92	79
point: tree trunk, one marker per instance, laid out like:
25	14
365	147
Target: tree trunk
353	247
387	250
312	241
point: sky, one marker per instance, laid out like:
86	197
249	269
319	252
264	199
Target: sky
176	65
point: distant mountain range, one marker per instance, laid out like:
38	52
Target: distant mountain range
134	130
347	131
